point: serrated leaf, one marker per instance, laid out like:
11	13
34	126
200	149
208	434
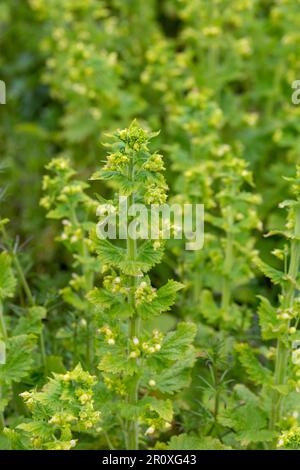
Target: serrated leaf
163	301
245	418
176	376
117	363
177	342
19	358
115	303
277	277
101	298
259	374
109	253
149	256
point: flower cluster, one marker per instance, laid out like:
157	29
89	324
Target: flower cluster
153	345
115	284
116	162
290	439
156	193
155	163
110	336
144	293
68	406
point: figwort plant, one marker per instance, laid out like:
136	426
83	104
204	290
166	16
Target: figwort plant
143	368
285	320
66	200
280	324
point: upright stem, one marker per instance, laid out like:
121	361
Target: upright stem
283	352
133	425
27	290
22	278
89	277
134	325
228	263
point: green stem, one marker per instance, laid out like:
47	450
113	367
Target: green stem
134	326
197	285
109	443
133	425
89	277
22	278
27	290
282	351
228	264
217	400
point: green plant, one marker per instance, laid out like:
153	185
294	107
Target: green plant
217	79
63	406
140	367
66	200
280	323
22	337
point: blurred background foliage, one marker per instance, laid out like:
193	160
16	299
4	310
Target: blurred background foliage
208	74
198	71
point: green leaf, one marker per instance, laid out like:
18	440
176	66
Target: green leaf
125	185
101	298
256	435
259	374
269	323
209	309
109	253
116	363
283	389
178	342
115	303
7	278
247	417
19	358
176	376
243	393
31	322
149	256
163	301
190	442
277	277
55	364
60	212
116	256
73	299
163	408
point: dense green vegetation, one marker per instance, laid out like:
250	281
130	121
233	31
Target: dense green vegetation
145	344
